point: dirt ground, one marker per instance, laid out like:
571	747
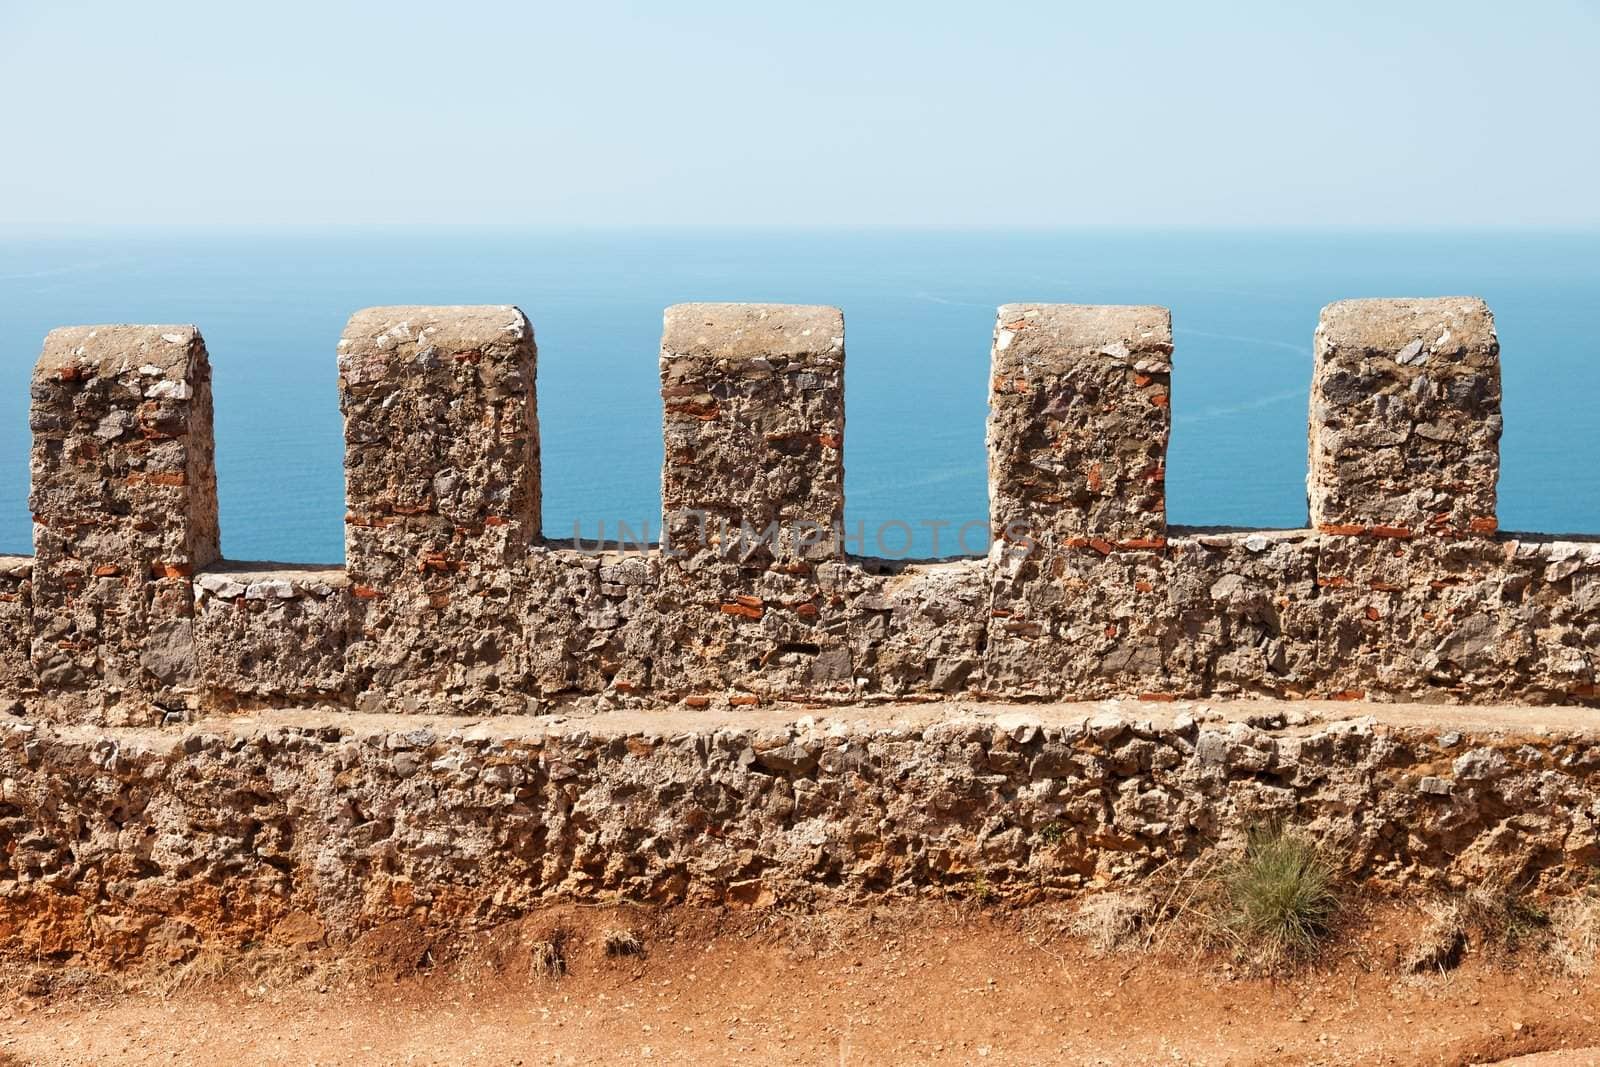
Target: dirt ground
927	983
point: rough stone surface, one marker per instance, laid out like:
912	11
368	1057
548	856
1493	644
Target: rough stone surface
121	845
125	510
271	633
307	770
1079	415
753	397
451	603
442	489
1405	418
16	624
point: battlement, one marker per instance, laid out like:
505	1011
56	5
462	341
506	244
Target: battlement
449	601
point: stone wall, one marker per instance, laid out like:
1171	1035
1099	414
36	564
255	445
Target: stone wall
1401	587
124	845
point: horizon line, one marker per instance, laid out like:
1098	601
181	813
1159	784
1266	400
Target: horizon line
50	228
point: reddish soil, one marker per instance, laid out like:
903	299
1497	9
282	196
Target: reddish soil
903	984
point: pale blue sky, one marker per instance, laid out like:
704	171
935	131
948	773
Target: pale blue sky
1376	114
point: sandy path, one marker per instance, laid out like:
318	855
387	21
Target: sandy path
945	987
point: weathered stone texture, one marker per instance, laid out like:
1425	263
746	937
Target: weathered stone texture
269	633
124	842
1077	612
442	492
1244	608
451	603
125	510
16	624
1553	591
1465	620
1079	415
754	431
752	488
119	846
1405	417
591	623
913	629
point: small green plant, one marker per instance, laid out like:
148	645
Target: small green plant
980	890
1051	833
1279	897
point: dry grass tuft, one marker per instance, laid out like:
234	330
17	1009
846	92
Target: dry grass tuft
261	968
619	942
1441	942
1505	916
1112	921
548	956
1575	933
1278	899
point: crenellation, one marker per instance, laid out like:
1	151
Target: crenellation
125	511
450	602
1079	417
442	497
1405	419
752	497
753	420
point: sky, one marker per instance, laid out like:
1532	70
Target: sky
596	113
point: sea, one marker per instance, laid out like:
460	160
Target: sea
919	307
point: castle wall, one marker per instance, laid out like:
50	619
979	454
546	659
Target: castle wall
449	601
127	846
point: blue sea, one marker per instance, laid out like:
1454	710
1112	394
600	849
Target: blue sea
919	309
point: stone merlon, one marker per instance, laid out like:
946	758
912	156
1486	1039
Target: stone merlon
1405	416
1079	417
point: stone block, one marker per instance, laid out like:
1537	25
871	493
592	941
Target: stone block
1551	589
1245	607
1424	619
125	508
1079	416
442	495
1405	418
753	399
267	632
914	628
758	634
1078	623
590	623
